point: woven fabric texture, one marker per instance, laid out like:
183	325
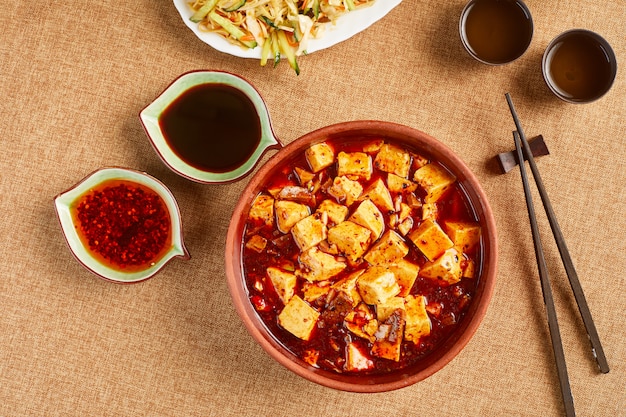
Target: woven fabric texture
74	77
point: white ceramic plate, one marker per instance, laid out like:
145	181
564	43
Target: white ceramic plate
346	26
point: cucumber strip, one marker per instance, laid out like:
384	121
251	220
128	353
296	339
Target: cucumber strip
235	6
350	4
316	8
201	13
269	22
288	51
231	28
266	50
275	50
297	33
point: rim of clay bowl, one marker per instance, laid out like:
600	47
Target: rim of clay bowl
436	360
64	201
150	115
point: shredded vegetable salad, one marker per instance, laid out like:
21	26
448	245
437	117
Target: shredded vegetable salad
278	27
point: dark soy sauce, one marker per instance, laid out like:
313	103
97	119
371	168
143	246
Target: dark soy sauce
212	127
579	67
497	31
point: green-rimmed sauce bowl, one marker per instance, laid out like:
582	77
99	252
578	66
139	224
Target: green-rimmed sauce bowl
67	206
198	126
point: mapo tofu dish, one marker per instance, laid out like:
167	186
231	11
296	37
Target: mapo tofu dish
361	255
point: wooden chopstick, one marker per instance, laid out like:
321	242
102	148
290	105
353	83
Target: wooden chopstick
553	324
596	346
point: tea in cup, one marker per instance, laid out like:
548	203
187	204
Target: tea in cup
579	66
496	32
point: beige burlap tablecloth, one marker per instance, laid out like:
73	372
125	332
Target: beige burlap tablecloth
73	78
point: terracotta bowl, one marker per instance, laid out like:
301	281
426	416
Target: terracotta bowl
409	138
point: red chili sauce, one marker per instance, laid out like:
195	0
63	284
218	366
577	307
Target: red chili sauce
446	304
124	224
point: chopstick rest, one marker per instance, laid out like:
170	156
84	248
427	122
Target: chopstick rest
508	160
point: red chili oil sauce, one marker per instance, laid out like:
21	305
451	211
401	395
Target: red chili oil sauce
125	225
330	337
212	127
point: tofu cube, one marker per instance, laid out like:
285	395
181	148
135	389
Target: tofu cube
357	359
364	311
312	291
360	325
351	239
289	213
389	336
274	190
320	156
390	248
405	227
262	209
354	165
386	309
413	201
368	215
380	195
435	180
310	231
257	243
284	283
393	159
446	268
405	211
465	235
304	176
377	284
417	321
316	265
469	268
345	190
418	161
298	318
336	212
430	211
398	184
348	287
430	238
406	273
373	146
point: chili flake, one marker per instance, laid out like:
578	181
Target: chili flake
123	223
